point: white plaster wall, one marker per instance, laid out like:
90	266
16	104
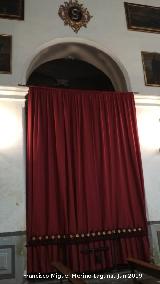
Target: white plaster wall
148	120
12	165
107	29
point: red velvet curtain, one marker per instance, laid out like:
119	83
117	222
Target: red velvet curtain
85	191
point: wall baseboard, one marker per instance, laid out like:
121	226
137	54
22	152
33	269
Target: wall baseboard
153	222
10	234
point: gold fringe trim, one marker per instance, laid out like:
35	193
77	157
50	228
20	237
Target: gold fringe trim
88	235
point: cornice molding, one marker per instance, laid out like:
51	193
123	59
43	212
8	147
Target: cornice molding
147	100
7	92
20	92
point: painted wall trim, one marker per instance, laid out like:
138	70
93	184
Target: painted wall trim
153	222
7	92
12	234
146	100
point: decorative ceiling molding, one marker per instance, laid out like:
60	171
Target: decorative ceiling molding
74	15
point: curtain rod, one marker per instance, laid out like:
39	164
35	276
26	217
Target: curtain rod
21	85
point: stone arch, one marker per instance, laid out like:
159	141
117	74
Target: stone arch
83	50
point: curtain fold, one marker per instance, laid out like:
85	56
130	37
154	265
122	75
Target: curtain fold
85	190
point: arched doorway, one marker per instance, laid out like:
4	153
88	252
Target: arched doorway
79	50
70	73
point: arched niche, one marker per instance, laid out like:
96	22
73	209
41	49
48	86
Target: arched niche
84	51
70	73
